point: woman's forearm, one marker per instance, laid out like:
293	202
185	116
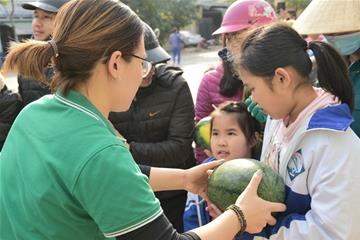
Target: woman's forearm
226	226
163	179
161	229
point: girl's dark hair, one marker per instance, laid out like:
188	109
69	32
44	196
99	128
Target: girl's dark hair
269	47
230	83
248	125
86	31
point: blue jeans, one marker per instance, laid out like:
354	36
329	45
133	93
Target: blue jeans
176	53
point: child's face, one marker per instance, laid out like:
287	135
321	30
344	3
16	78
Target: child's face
227	140
277	102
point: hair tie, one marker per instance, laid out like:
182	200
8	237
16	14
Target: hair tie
226	55
54	47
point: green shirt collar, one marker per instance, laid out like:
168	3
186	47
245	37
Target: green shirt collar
79	102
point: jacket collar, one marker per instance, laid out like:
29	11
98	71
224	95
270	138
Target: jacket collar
336	117
355	67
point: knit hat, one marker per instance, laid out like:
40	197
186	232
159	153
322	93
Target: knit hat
329	16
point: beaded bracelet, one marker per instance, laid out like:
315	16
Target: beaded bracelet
240	216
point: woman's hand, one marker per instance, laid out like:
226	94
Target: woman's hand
196	178
257	211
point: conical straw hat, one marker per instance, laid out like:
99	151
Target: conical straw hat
329	16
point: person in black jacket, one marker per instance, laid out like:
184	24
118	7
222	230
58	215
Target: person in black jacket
42	27
29	89
159	124
10	105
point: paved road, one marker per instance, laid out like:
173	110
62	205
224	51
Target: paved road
194	63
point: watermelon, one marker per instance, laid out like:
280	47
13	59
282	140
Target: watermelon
203	133
230	179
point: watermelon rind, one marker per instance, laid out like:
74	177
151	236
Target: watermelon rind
231	178
203	133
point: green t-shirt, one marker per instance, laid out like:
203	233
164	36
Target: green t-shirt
65	175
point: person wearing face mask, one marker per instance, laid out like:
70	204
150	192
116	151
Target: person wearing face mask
339	21
221	84
73	177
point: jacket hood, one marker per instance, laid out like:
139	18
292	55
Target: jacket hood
166	75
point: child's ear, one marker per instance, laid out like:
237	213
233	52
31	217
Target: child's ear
283	77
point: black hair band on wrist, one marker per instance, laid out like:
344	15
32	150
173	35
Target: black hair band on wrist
240	215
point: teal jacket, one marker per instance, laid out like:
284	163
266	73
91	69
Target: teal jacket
354	71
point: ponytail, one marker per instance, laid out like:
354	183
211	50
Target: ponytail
79	26
269	47
332	72
29	59
229	83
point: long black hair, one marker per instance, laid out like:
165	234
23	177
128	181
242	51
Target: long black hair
269	47
230	83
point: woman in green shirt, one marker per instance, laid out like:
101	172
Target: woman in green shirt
64	173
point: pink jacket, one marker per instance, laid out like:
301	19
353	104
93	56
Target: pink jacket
209	95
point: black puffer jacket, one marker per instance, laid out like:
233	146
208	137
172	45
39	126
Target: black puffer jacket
31	90
11	103
160	121
10	106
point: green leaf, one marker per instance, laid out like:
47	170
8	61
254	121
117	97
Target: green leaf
165	14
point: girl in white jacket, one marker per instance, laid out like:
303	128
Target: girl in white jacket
307	139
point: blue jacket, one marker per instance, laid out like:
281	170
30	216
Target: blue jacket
175	40
195	214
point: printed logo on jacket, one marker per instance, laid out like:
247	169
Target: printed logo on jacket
296	165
